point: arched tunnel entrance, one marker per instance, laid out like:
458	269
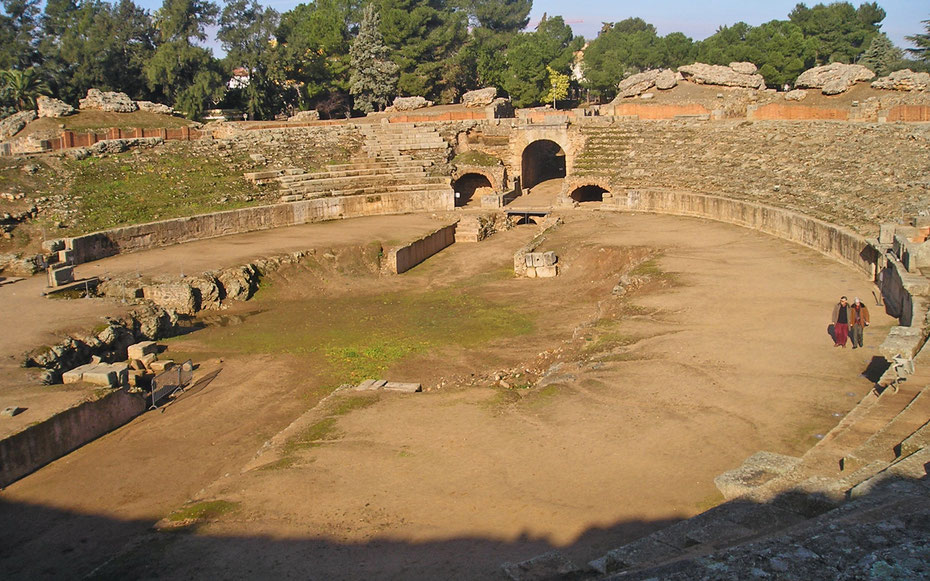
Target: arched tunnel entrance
589	193
466	186
542	160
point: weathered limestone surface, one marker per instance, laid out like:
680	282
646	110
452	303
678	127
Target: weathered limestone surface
480	97
152	107
637	84
704	74
796	95
755	471
304	116
10	126
834	78
109	101
49	107
904	80
411	103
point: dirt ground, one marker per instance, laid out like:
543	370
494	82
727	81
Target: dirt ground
602	418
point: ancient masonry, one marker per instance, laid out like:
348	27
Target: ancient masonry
763	175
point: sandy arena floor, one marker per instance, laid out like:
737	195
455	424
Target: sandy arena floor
643	400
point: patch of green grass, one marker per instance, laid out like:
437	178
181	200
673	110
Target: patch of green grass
648	268
361	337
203	510
127	189
478	158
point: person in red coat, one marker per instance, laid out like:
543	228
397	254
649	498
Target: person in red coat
841	317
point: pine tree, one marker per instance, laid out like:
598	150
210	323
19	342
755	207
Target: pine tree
374	77
922	52
882	57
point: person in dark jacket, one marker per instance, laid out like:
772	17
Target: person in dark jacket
858	321
841	318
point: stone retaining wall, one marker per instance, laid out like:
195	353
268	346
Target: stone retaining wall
165	233
406	257
39	444
830	239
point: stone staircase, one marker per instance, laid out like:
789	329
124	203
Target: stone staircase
869	473
401	158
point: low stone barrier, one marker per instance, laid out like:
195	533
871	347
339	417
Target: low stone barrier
830	239
406	257
168	232
39	444
782	112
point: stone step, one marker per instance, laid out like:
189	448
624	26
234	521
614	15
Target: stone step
869	416
365	177
913	443
727	524
405	189
881	445
913	466
367	188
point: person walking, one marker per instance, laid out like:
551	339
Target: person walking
858	321
840	323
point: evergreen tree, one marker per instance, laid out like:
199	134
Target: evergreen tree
499	15
882	57
246	29
374	78
922	52
840	33
424	37
621	49
18	28
96	45
313	53
184	72
552	45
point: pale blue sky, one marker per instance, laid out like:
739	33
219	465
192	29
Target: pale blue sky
696	19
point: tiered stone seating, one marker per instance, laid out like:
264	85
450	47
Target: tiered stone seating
404	158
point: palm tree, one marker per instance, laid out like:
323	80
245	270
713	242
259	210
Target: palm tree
22	87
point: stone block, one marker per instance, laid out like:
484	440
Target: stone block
159	366
544	258
147	360
76	375
140	378
547	271
530	272
530	259
141	349
370	384
53	245
60	276
403	387
12	411
754	472
886	233
136	365
101	375
66	256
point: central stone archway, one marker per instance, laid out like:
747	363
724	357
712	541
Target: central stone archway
542	160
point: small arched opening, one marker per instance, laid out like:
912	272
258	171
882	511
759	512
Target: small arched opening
589	193
466	186
524	221
542	160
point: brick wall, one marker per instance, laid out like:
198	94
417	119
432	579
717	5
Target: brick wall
782	112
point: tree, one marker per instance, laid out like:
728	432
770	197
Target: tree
922	52
882	57
621	49
96	45
552	45
185	73
424	37
374	78
840	33
558	86
22	87
499	15
246	29
18	27
312	50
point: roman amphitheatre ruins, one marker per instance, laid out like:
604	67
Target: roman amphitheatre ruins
479	343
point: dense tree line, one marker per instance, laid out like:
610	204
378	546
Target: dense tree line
344	57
